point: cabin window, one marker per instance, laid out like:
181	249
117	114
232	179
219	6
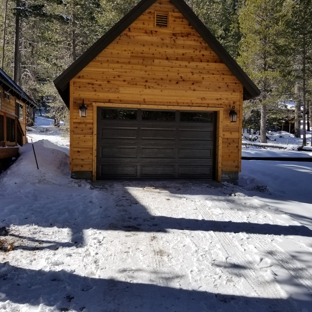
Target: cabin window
10	129
161	19
20	111
6	95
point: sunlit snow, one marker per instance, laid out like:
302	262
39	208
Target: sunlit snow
153	246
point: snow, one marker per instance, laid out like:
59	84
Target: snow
252	152
280	139
44	130
153	246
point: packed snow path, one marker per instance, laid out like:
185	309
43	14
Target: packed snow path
154	246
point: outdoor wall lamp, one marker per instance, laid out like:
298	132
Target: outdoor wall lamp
233	114
83	110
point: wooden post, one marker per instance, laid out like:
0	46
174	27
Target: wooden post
15	130
33	147
94	160
4	128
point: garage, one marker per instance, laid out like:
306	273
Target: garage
156	97
135	143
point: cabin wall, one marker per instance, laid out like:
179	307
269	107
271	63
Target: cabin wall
8	110
158	67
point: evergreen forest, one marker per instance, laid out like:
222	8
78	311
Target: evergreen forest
270	39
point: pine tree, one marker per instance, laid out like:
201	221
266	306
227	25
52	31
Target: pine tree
301	28
262	24
221	17
3	20
25	10
7	36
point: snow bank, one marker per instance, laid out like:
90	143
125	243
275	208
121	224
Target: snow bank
53	166
282	179
251	152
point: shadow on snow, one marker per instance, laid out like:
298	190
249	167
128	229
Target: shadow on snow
66	291
125	213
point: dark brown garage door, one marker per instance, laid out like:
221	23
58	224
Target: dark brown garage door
155	144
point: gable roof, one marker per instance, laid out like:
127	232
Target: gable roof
62	81
10	86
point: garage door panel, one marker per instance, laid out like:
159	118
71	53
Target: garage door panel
156	169
118	170
201	144
158	134
119	152
197	117
119	132
192	134
195	171
123	142
185	153
160	152
152	143
196	162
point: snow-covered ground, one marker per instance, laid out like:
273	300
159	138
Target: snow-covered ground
281	139
153	246
44	130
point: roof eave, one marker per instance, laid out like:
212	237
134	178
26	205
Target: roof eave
23	97
248	96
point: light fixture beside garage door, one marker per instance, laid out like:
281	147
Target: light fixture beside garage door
83	110
233	114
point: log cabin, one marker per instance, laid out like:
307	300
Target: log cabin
157	96
14	103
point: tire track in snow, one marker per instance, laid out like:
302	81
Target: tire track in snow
260	284
157	258
294	268
298	271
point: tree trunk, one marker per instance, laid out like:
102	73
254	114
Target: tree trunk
304	129
17	53
304	92
74	42
263	138
297	112
4	33
308	115
74	53
297	119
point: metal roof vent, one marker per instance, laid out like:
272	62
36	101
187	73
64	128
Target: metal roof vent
161	19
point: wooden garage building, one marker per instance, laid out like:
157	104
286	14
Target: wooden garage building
14	103
158	88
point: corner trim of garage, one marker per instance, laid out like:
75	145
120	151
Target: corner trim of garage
94	141
219	145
